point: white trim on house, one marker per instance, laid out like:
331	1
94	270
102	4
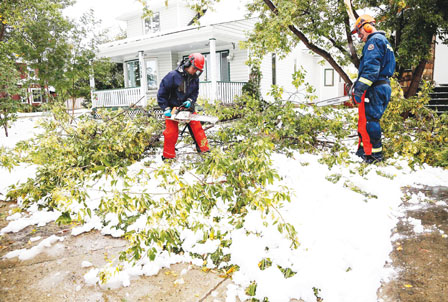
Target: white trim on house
178	40
441	63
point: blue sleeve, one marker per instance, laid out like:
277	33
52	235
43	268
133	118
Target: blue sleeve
374	52
163	94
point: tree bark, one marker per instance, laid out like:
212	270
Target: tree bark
348	32
323	53
6	127
2	29
416	77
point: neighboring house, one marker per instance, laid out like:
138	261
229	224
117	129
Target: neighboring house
33	94
154	46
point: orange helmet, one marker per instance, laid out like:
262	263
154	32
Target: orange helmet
361	21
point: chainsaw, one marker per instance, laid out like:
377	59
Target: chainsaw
186	115
333	101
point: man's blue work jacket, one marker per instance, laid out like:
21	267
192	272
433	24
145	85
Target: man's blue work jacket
377	62
176	87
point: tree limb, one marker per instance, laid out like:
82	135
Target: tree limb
353	55
323	53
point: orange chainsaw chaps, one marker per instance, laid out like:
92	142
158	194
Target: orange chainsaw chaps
364	137
171	135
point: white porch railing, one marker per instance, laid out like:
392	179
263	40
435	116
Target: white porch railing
118	97
225	91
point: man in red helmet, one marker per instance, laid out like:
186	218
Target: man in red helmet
180	88
372	90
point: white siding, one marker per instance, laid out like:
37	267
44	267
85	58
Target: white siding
134	27
174	60
176	15
441	63
266	75
299	58
285	69
239	71
165	64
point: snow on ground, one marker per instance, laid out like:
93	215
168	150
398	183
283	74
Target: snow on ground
26	254
344	235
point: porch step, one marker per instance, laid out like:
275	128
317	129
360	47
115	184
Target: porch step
439	98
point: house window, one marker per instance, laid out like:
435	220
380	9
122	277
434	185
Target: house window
36	95
133	69
133	72
274	69
152	24
31	73
329	77
222	65
151	74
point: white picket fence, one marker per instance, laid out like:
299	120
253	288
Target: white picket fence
77	104
225	91
118	98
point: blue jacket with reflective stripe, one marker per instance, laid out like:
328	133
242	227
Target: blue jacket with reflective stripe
377	62
176	87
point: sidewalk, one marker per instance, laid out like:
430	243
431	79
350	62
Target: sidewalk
41	114
57	274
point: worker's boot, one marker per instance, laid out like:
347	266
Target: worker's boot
376	157
360	152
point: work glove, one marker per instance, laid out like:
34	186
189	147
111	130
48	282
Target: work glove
167	112
356	99
187	103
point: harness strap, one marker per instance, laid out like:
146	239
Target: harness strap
380	82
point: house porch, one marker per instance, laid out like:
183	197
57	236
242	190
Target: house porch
147	59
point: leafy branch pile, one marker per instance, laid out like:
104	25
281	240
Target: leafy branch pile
234	179
68	155
415	131
159	208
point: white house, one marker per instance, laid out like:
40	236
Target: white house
155	45
440	63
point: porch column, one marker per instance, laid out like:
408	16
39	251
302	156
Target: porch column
213	68
143	78
125	74
92	86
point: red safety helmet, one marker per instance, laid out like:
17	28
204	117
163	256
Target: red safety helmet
196	60
365	21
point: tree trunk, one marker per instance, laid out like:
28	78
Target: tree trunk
416	77
2	29
6	127
323	53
